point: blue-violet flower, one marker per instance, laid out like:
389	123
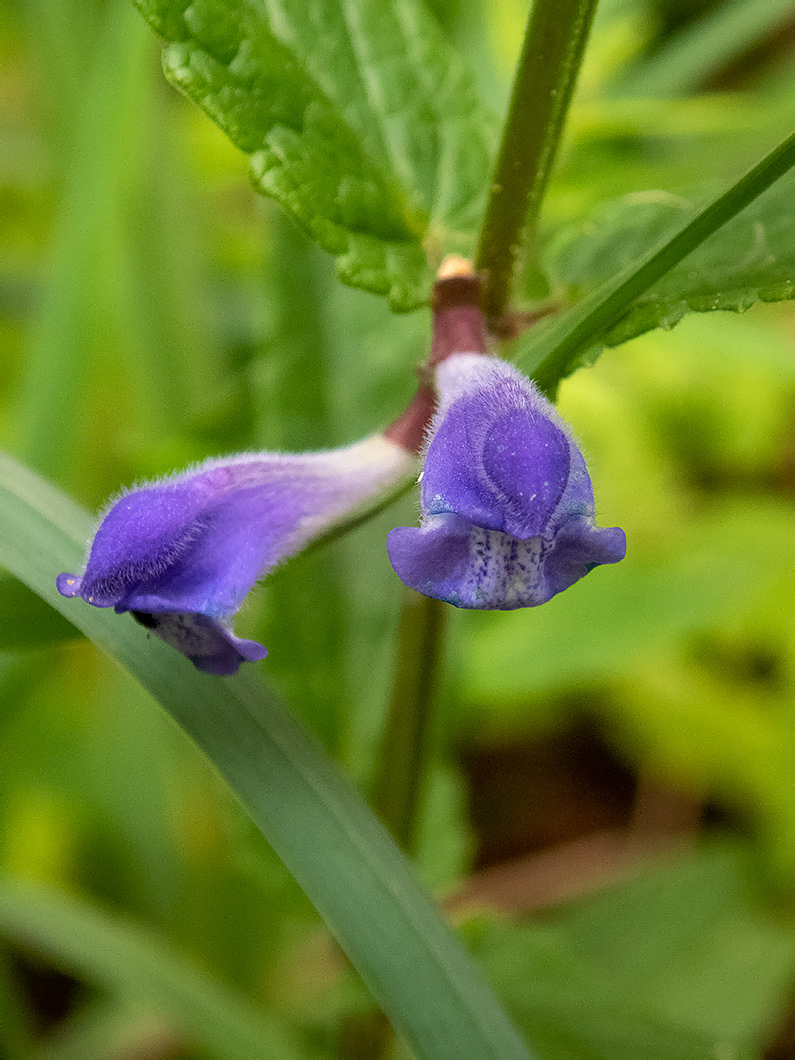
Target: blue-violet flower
182	553
507	503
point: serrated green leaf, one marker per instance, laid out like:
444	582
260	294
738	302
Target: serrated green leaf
359	119
751	260
552	351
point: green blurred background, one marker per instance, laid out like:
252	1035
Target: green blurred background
153	312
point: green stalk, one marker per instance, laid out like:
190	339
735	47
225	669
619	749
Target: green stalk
552	356
552	51
404	752
550	61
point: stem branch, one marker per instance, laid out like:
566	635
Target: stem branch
552	51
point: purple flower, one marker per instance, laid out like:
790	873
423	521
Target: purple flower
507	503
181	554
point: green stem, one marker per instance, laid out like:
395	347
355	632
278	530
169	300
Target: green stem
552	52
404	751
551	357
400	780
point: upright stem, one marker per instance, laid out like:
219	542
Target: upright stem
552	51
404	752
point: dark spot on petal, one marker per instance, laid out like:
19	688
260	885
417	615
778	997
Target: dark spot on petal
145	619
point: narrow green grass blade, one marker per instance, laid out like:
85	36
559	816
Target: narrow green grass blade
70	329
751	259
557	350
334	846
125	960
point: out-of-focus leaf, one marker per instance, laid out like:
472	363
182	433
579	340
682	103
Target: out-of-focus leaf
75	309
16	1020
295	384
126	960
359	119
121	310
676	964
704	46
583	635
338	852
62	33
26	621
756	342
103	1027
751	260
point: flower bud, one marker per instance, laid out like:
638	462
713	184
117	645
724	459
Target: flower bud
182	553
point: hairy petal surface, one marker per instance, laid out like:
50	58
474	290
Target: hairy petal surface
507	503
182	554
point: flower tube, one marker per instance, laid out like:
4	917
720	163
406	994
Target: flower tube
182	553
507	503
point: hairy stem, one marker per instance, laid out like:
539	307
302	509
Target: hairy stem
552	52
